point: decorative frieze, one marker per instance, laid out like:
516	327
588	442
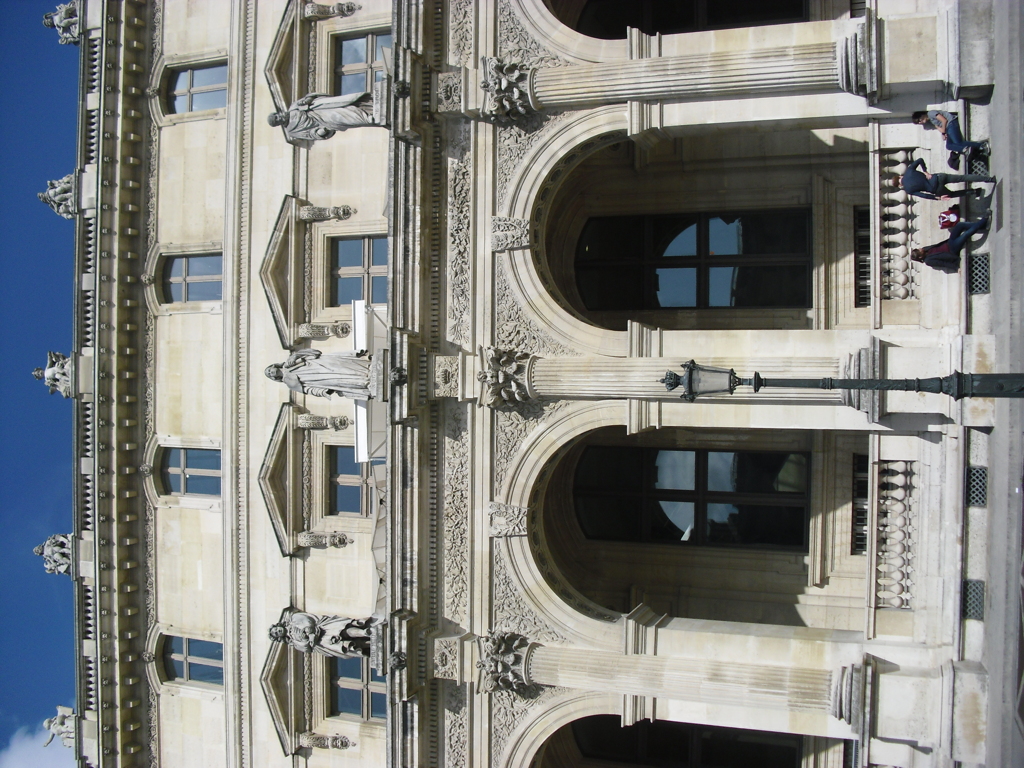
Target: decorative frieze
503	662
57	553
507	520
318	11
311	421
62	196
311	740
322	539
310	213
507	233
322	330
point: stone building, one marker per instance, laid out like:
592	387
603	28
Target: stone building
514	543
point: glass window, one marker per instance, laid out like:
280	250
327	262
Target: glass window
197	661
357	689
190	471
192	278
608	19
693	497
354	70
359	270
702	261
349	483
198	89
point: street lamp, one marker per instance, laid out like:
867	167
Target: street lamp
697	380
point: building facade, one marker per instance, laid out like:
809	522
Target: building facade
513	233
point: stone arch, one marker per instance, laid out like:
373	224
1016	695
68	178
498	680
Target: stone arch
561	39
544	722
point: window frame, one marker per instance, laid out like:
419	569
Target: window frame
364	481
152	278
160	83
184	471
166	280
366	685
166	655
367	271
374	70
171	94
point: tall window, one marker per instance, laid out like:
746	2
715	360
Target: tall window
359	268
193	661
608	19
356	689
678	261
693	497
681	745
193	471
192	278
349	491
198	89
360	62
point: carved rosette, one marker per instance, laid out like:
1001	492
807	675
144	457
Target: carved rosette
503	377
311	740
317	11
507	87
310	421
325	213
503	662
449	92
507	520
322	539
323	330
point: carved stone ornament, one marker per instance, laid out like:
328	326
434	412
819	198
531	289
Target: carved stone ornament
62	196
148	656
507	520
309	421
65	21
57	373
320	374
317	11
147	279
310	740
62	726
503	377
324	213
322	539
56	553
318	116
146	470
397	661
323	330
326	635
502	662
506	85
449	92
507	233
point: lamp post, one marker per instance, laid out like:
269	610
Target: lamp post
699	380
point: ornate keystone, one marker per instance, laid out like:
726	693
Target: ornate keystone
62	196
317	11
65	21
309	421
321	213
323	330
322	539
57	373
310	740
56	553
503	377
502	664
507	90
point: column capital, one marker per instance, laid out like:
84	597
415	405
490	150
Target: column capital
507	84
504	377
504	662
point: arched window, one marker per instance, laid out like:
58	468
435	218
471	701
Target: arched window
188	660
192	278
197	89
190	471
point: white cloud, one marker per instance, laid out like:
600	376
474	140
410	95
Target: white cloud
26	750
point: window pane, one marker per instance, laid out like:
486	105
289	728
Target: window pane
376	677
604	466
759	286
775	232
179	81
755	524
172	457
727	747
725	236
347	290
378	76
205	649
351	668
750	472
348	253
721	471
353	84
674	470
209	100
346	498
378	705
742	13
201	458
604	738
175	267
672	521
174	644
669	742
676	287
676	235
205	674
343	460
609	518
204	485
209	290
611	288
202	266
179	105
201	78
607	238
383	41
348	701
175	292
378	290
379	252
353	51
175	669
172	482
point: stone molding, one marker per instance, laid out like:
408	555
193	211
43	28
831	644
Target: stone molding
310	213
312	421
322	539
320	11
311	740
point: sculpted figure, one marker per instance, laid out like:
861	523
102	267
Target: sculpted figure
56	553
312	372
326	635
65	21
62	725
319	116
60	196
57	374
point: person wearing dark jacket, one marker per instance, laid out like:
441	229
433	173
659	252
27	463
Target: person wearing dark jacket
932	186
945	256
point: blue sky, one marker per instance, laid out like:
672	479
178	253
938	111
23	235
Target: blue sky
37	143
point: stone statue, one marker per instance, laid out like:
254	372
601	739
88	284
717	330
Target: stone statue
65	21
312	372
326	635
319	116
56	553
61	196
62	725
57	373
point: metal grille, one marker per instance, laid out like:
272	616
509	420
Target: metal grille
978	279
859	543
972	605
862	254
858	8
977	486
979	164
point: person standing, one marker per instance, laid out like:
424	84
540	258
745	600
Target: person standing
932	186
948	124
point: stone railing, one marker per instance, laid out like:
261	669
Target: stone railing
894	536
896	272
